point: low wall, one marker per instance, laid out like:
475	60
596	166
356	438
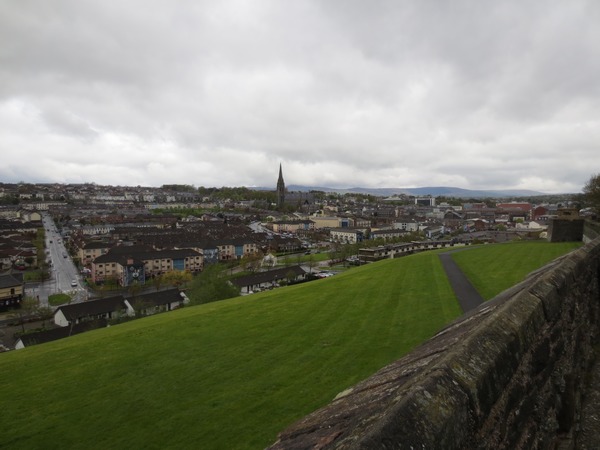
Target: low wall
508	375
591	231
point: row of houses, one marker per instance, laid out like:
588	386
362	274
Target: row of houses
372	216
81	317
269	279
352	230
18	231
391	251
91	192
139	253
135	264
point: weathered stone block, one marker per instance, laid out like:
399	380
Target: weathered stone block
549	296
437	414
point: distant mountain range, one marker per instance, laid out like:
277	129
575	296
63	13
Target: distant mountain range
434	191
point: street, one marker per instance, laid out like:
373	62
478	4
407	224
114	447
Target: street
62	271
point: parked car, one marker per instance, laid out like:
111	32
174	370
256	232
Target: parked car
73	283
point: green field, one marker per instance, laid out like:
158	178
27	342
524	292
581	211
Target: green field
229	374
494	268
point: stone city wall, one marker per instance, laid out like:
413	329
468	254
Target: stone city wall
591	231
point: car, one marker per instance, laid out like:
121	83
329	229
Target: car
73	283
65	255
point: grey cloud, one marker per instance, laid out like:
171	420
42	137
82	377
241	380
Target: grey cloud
345	92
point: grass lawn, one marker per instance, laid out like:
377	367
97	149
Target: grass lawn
494	268
58	299
224	375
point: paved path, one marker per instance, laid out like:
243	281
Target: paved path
467	295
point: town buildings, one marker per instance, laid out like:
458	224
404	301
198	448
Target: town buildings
11	291
115	232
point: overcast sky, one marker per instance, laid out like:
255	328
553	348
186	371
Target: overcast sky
473	94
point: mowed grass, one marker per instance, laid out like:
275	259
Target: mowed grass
226	375
494	268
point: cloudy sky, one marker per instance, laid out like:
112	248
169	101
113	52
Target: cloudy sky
385	93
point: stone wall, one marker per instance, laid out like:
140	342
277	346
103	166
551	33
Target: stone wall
508	375
591	231
565	230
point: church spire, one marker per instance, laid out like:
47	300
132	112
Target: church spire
280	189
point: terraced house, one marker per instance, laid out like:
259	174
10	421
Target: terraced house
135	264
229	249
291	226
346	235
11	291
92	250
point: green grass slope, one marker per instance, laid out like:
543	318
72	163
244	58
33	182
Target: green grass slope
224	375
494	268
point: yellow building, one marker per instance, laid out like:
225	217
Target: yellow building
11	291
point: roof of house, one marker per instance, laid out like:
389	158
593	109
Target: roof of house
97	245
388	231
452	215
54	334
268	277
293	222
11	280
158	297
346	230
122	257
515	206
93	307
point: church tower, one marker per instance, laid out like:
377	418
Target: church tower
280	189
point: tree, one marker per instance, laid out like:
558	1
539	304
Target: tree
176	278
252	261
134	289
335	251
290	276
45	313
311	263
211	285
139	306
28	308
157	281
591	191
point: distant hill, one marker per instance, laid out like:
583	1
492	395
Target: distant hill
435	191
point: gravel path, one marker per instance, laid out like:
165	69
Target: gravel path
467	295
